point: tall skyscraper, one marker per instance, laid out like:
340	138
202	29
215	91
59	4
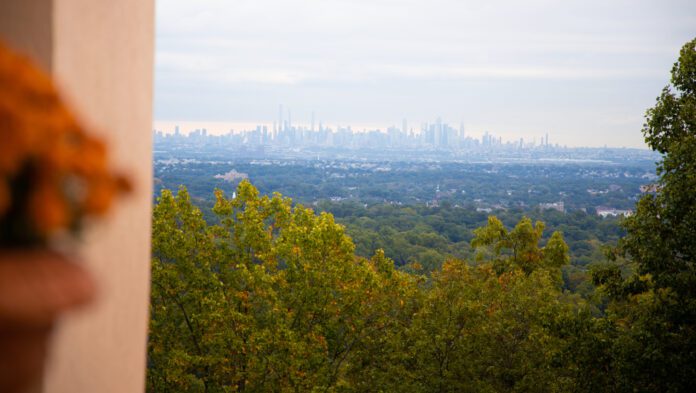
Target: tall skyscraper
280	117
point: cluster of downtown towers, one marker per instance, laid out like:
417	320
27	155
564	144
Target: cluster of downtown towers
284	133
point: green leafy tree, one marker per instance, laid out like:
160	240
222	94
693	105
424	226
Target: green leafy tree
481	328
519	248
478	330
654	310
270	299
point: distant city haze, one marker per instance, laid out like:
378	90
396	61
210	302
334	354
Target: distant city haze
582	71
223	128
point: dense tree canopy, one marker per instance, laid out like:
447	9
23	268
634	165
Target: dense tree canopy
273	299
655	308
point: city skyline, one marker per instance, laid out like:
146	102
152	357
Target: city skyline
283	132
315	124
584	70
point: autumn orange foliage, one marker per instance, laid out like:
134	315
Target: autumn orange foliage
53	173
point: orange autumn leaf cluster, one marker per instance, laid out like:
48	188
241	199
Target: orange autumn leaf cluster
53	173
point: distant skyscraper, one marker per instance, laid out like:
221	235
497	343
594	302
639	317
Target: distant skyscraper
176	130
280	117
403	127
547	139
312	121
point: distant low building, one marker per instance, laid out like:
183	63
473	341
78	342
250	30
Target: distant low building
433	203
604	211
232	176
559	206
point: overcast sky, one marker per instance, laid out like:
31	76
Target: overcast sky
583	71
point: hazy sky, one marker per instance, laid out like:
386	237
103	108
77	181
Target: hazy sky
583	71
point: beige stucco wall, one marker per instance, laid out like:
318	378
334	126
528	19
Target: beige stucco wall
28	25
101	53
